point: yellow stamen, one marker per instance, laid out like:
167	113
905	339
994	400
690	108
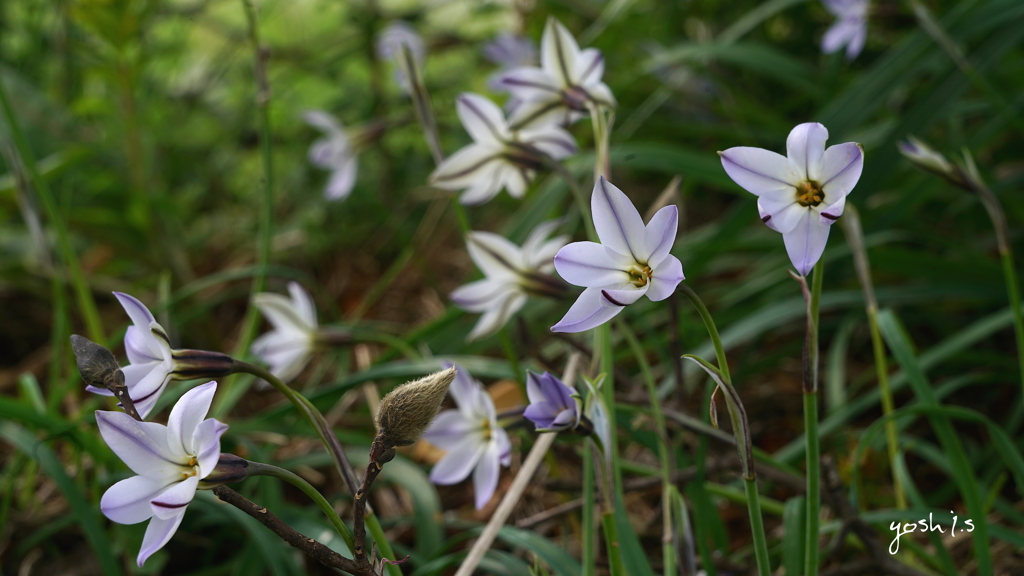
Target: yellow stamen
640	277
809	193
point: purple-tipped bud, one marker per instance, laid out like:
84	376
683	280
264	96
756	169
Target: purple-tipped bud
229	469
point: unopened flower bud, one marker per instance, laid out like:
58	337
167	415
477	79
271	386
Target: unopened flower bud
927	158
96	364
195	364
407	411
229	469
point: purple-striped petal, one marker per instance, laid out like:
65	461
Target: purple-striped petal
667	276
805	146
760	171
806	242
127	502
174	500
158	533
590	264
586	313
660	235
618	223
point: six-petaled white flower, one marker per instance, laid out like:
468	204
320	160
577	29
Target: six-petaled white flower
511	274
288	346
632	260
800	196
169	462
333	152
498	157
558	91
472	438
850	28
152	363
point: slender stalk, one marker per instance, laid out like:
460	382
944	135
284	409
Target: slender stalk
1013	290
611	536
810	388
260	469
587	556
250	322
582	203
741	429
330	441
855	240
86	303
665	466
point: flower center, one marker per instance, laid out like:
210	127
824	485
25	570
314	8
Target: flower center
485	428
639	277
191	469
809	193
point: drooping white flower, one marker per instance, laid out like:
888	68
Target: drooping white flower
288	346
169	462
472	438
333	152
850	28
632	260
559	90
152	362
803	194
511	273
498	157
393	40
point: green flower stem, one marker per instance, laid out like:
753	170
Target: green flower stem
250	322
810	387
330	441
1013	290
579	195
665	467
260	469
588	558
611	536
739	424
855	239
86	303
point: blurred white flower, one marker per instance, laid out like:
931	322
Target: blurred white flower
472	438
333	152
498	157
850	28
800	196
393	40
511	273
559	90
288	346
169	462
508	51
631	261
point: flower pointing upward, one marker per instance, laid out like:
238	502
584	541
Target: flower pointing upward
558	91
632	260
499	157
803	194
169	462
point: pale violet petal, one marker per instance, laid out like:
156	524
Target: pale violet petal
142	446
206	444
497	316
466	167
482	119
586	313
532	252
841	168
533	388
516	180
590	264
543	259
485	476
187	413
530	83
806	242
303	304
622	295
478	296
456	465
552	140
147	390
158	533
760	171
140	346
666	277
137	311
342	180
100	391
857	40
765	216
785	211
493	254
127	502
500	437
660	235
322	121
173	500
559	52
449	429
281	313
804	146
145	404
829	215
617	221
589	67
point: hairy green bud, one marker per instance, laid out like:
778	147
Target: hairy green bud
96	364
407	411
